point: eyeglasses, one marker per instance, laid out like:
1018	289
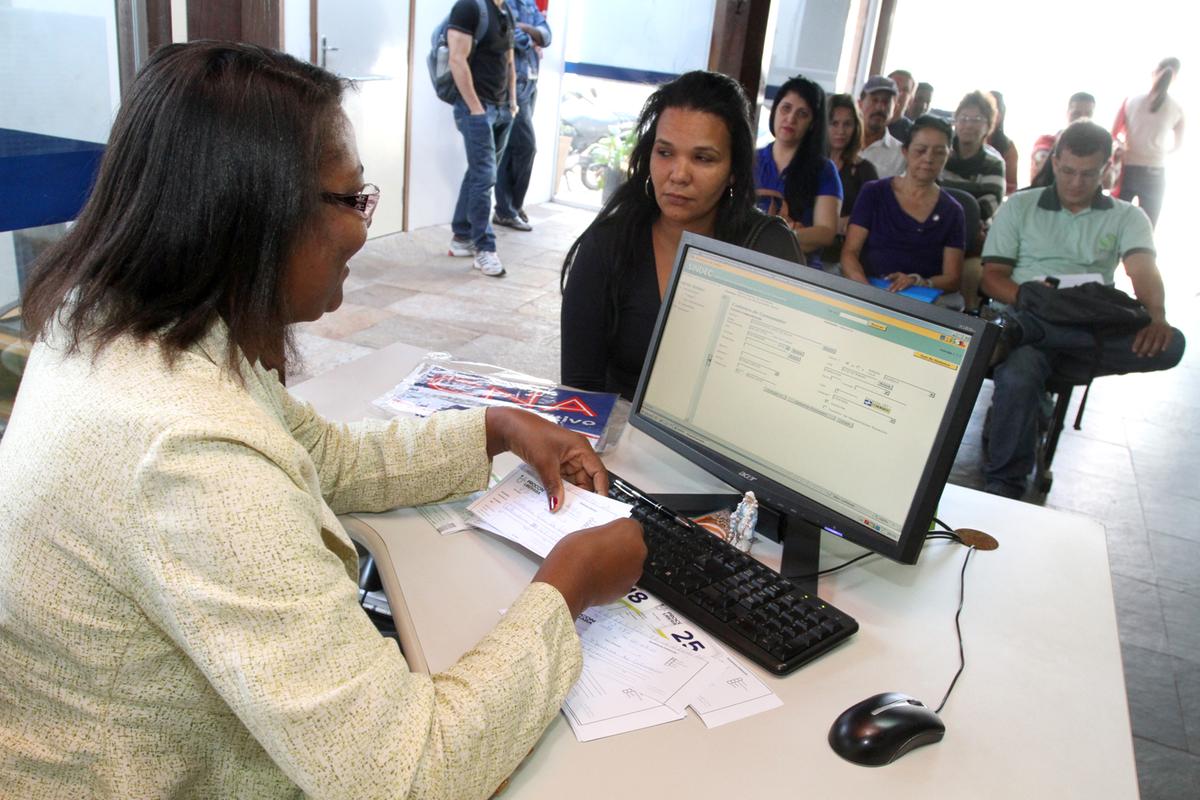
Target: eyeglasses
965	120
1088	175
363	202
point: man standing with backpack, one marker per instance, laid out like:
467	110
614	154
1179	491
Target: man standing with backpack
512	180
481	62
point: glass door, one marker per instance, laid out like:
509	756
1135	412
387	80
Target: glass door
367	41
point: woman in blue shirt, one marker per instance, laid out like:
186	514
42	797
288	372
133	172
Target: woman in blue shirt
794	175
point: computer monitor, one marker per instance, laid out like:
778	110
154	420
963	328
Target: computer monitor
840	405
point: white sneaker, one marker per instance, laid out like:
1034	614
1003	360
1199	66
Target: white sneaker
487	262
461	247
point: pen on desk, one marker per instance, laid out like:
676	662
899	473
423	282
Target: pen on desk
625	487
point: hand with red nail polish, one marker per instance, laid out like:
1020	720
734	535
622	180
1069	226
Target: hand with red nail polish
595	565
555	453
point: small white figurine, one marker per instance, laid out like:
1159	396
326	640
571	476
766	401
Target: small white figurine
742	522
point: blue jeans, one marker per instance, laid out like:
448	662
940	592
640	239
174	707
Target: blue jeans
484	136
1147	184
516	165
1020	383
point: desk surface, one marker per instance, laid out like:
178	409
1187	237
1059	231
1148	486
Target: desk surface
1039	712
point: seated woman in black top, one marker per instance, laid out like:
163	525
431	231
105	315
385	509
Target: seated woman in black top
845	141
691	170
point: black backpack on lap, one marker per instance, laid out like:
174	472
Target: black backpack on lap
1105	311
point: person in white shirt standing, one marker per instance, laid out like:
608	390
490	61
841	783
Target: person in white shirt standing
1148	127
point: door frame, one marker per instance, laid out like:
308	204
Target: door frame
313	55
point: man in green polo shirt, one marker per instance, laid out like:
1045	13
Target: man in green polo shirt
1068	228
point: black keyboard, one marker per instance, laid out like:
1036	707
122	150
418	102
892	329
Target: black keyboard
727	592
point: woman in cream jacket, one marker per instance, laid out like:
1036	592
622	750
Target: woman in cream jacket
178	605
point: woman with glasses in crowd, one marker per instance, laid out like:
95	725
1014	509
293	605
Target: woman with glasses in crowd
973	166
692	170
180	604
845	142
794	175
907	230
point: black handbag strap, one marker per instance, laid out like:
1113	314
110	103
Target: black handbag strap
753	239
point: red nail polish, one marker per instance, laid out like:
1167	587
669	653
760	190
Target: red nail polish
553	502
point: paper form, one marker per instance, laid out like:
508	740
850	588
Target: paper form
737	694
733	693
629	680
452	517
517	509
653	667
643	664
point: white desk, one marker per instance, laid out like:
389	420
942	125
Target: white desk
1039	712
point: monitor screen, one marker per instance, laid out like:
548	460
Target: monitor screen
841	405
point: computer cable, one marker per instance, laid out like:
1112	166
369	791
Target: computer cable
854	735
972	540
962	658
954	536
949	534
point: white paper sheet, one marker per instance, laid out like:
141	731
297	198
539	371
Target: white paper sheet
630	680
451	517
643	664
517	509
733	693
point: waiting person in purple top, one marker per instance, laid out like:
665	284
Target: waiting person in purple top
907	229
793	174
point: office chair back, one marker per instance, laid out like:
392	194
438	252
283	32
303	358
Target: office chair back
970	207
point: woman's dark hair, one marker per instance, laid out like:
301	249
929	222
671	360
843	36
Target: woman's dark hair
804	170
1166	73
932	122
633	208
850	152
210	174
999	139
984	102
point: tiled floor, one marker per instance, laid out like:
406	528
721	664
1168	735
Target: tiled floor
1134	466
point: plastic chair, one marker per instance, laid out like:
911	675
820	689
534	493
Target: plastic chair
971	274
1060	386
970	208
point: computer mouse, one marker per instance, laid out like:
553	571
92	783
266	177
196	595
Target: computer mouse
884	727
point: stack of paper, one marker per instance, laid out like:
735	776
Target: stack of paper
643	664
630	680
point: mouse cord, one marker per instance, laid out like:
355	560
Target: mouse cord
962	659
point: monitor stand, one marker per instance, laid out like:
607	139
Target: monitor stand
801	539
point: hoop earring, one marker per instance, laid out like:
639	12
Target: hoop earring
648	188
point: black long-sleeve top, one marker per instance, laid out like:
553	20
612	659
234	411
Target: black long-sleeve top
602	350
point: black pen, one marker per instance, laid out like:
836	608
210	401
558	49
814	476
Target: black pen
625	487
